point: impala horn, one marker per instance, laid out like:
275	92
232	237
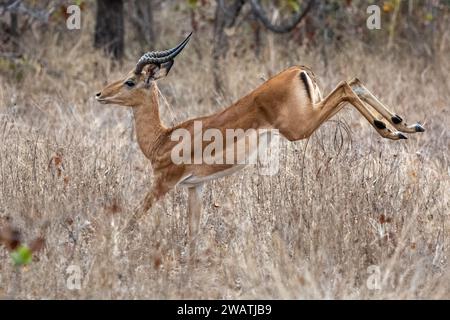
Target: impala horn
158	57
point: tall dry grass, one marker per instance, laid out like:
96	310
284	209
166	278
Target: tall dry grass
344	202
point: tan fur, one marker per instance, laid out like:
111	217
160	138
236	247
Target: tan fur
280	103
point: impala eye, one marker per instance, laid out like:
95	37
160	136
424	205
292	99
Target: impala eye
129	83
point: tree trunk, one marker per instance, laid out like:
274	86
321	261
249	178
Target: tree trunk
225	17
15	32
109	27
142	17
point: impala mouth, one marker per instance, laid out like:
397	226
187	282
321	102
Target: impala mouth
101	100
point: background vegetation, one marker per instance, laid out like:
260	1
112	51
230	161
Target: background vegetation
344	202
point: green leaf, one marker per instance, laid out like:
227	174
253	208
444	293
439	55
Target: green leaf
293	5
192	3
21	256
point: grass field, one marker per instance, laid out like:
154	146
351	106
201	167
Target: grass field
349	215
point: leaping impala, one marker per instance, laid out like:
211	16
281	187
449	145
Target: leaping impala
290	102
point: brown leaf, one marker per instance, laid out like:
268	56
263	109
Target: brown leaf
114	207
37	244
56	164
383	219
10	237
57	160
157	261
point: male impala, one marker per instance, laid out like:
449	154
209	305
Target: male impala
290	102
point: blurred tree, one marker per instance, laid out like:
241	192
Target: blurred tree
227	14
14	31
225	18
300	11
141	14
109	27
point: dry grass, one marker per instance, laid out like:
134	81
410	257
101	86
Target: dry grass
341	202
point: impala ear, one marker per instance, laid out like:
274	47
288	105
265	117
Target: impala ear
157	71
150	71
165	68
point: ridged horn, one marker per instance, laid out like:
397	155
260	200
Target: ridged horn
158	57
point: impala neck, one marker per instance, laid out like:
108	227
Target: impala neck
149	129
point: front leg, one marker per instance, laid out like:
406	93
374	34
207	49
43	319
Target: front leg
158	190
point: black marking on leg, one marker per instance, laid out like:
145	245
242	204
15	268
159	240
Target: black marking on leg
304	78
396	119
379	124
419	127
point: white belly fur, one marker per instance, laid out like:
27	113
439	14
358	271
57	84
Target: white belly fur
192	180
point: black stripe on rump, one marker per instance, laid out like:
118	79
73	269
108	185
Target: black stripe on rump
304	78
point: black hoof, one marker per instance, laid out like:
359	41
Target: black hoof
396	119
401	135
379	124
419	128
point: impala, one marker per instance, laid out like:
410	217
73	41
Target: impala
290	102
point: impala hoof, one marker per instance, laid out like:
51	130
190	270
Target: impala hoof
396	119
419	127
379	124
401	135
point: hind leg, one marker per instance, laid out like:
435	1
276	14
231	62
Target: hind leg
332	104
194	215
396	121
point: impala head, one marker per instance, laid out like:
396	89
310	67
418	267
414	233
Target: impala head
150	67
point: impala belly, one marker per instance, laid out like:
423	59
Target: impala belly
192	180
251	154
